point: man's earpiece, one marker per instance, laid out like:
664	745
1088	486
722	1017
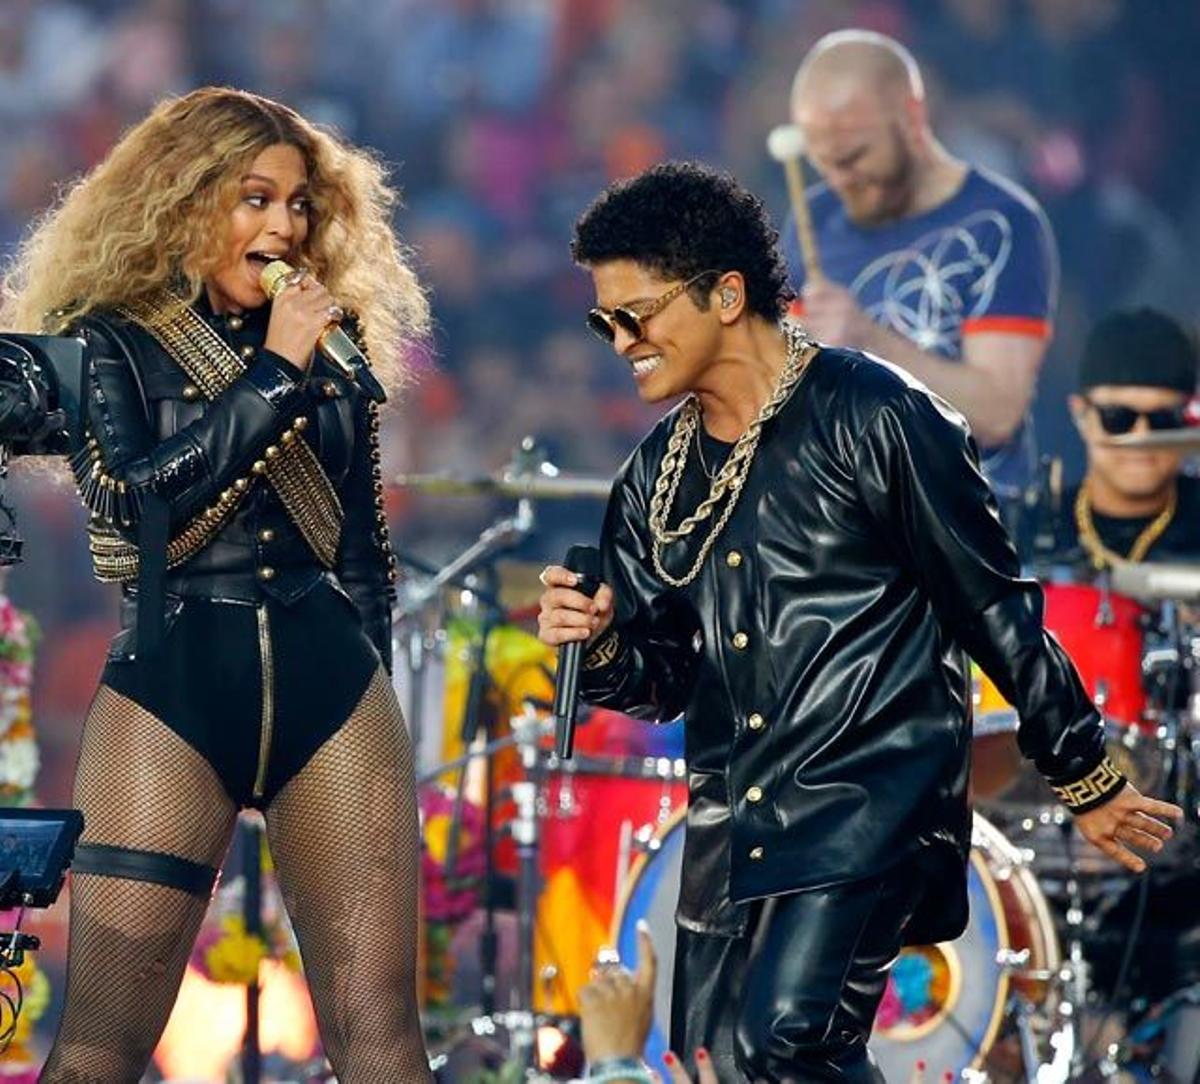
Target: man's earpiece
728	296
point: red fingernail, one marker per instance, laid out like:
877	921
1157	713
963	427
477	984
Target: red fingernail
701	1054
669	1058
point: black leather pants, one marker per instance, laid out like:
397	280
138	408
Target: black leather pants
795	997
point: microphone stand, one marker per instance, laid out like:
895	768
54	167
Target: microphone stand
476	714
502	535
251	844
413	606
526	835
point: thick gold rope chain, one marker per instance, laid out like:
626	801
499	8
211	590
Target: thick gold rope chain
732	476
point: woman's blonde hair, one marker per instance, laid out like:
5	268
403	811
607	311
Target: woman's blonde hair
157	210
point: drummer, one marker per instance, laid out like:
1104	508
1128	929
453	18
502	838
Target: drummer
1137	374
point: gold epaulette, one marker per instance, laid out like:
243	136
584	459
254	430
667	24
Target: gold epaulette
291	467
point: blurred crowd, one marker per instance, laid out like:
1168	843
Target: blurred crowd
503	118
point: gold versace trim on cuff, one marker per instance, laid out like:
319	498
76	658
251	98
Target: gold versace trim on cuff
603	651
1092	790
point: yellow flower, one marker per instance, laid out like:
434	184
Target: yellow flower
236	956
37	994
437	837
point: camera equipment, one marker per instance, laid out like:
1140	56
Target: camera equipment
41	410
36	846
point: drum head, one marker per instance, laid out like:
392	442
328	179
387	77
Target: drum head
944	1003
651	894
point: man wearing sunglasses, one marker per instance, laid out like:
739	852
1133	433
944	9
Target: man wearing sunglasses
796	559
1137	374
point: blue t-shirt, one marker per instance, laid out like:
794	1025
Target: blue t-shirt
984	260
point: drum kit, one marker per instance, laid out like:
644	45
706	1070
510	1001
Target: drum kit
1070	969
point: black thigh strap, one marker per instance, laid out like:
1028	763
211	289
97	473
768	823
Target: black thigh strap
152	866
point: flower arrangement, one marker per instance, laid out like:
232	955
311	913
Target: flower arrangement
224	951
16	1063
19	760
447	901
19	765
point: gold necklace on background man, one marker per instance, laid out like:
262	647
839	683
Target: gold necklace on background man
1101	556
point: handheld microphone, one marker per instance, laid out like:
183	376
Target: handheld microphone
584	561
335	345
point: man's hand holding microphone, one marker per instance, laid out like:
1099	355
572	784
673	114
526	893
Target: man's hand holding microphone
568	615
575	607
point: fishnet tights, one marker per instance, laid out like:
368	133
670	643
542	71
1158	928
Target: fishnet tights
344	837
140	786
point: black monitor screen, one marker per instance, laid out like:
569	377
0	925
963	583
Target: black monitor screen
37	845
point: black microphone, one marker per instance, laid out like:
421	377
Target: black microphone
335	345
584	561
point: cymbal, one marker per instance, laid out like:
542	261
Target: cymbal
534	486
1166	440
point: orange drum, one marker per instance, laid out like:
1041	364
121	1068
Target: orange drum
597	819
1102	632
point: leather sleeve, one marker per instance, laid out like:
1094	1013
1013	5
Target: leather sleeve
918	473
645	664
189	469
366	564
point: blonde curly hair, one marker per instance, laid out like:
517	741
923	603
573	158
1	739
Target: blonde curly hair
156	212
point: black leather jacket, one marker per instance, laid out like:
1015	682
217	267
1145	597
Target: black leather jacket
156	433
820	656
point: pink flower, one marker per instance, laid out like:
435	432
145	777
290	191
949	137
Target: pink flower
15	675
18	1075
453	900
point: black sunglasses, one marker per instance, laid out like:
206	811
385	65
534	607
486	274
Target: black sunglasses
1116	419
605	322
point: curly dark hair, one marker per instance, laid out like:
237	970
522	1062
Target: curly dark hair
681	218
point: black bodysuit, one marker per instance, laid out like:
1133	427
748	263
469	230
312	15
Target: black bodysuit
272	628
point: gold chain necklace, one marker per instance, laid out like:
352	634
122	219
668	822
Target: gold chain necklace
711	475
731	478
1099	553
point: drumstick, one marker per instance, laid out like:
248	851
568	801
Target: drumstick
785	144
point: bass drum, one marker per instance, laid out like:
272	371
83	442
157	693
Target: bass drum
944	1004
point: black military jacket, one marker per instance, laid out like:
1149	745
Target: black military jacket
819	658
152	431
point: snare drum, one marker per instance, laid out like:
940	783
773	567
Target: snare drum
944	1003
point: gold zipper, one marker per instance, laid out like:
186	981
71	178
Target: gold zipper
268	699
